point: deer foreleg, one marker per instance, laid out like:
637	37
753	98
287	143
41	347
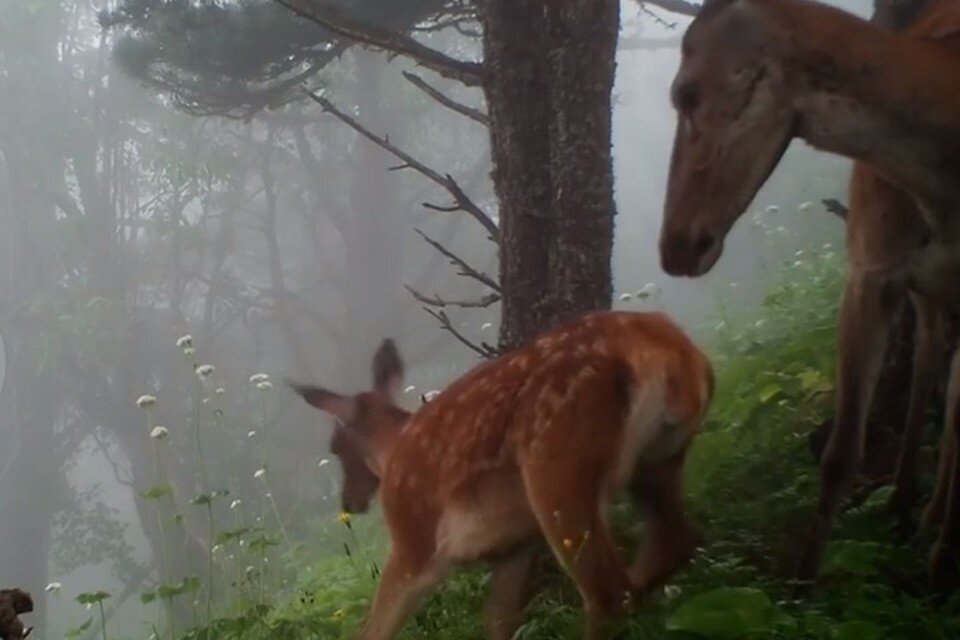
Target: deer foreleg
864	327
402	586
509	592
945	557
928	343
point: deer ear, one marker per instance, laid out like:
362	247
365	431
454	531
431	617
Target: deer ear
387	369
333	403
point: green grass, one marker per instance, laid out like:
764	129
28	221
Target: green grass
751	483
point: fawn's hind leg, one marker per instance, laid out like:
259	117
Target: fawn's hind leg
669	539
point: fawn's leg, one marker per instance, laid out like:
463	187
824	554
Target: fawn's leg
945	557
402	586
669	539
574	525
509	592
864	327
928	343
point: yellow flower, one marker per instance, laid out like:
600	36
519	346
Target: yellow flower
344	517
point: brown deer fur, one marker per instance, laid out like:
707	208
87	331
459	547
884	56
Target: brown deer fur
534	445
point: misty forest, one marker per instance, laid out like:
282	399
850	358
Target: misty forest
221	219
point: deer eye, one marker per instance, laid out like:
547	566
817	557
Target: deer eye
686	97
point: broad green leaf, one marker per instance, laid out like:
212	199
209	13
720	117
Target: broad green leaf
92	597
728	612
855	557
157	492
769	392
858	630
76	632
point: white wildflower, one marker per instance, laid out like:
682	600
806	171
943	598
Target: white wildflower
734	285
671	591
720	325
805	206
250	569
827	246
205	370
430	395
624	297
798	253
251	433
189	351
146	401
236	503
759	323
798	263
159	433
220	391
486	325
269	495
265	385
323	463
185	341
773	209
410	389
648	290
260	474
781	229
206	401
258	378
216	548
53	587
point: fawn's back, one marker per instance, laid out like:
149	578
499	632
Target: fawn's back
591	399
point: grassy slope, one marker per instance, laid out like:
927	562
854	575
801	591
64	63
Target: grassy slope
751	484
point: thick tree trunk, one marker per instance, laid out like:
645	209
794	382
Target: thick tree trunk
549	79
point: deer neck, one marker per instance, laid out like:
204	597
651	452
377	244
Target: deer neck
383	440
887	99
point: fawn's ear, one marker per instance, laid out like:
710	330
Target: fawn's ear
387	369
333	403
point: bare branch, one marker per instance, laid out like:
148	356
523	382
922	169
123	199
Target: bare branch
474	114
836	208
465	269
336	20
464	203
675	6
483	349
437	301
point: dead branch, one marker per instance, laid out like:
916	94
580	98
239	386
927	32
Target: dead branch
674	6
463	202
338	21
437	301
465	269
483	349
474	114
836	208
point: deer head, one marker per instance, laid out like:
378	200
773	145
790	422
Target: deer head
365	424
735	120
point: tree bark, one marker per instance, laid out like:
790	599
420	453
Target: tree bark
548	84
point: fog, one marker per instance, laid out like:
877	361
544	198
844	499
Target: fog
281	245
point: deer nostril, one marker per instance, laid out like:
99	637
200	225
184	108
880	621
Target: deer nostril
703	243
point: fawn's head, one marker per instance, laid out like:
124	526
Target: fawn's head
735	119
365	426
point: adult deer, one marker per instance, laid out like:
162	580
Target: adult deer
754	75
531	445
